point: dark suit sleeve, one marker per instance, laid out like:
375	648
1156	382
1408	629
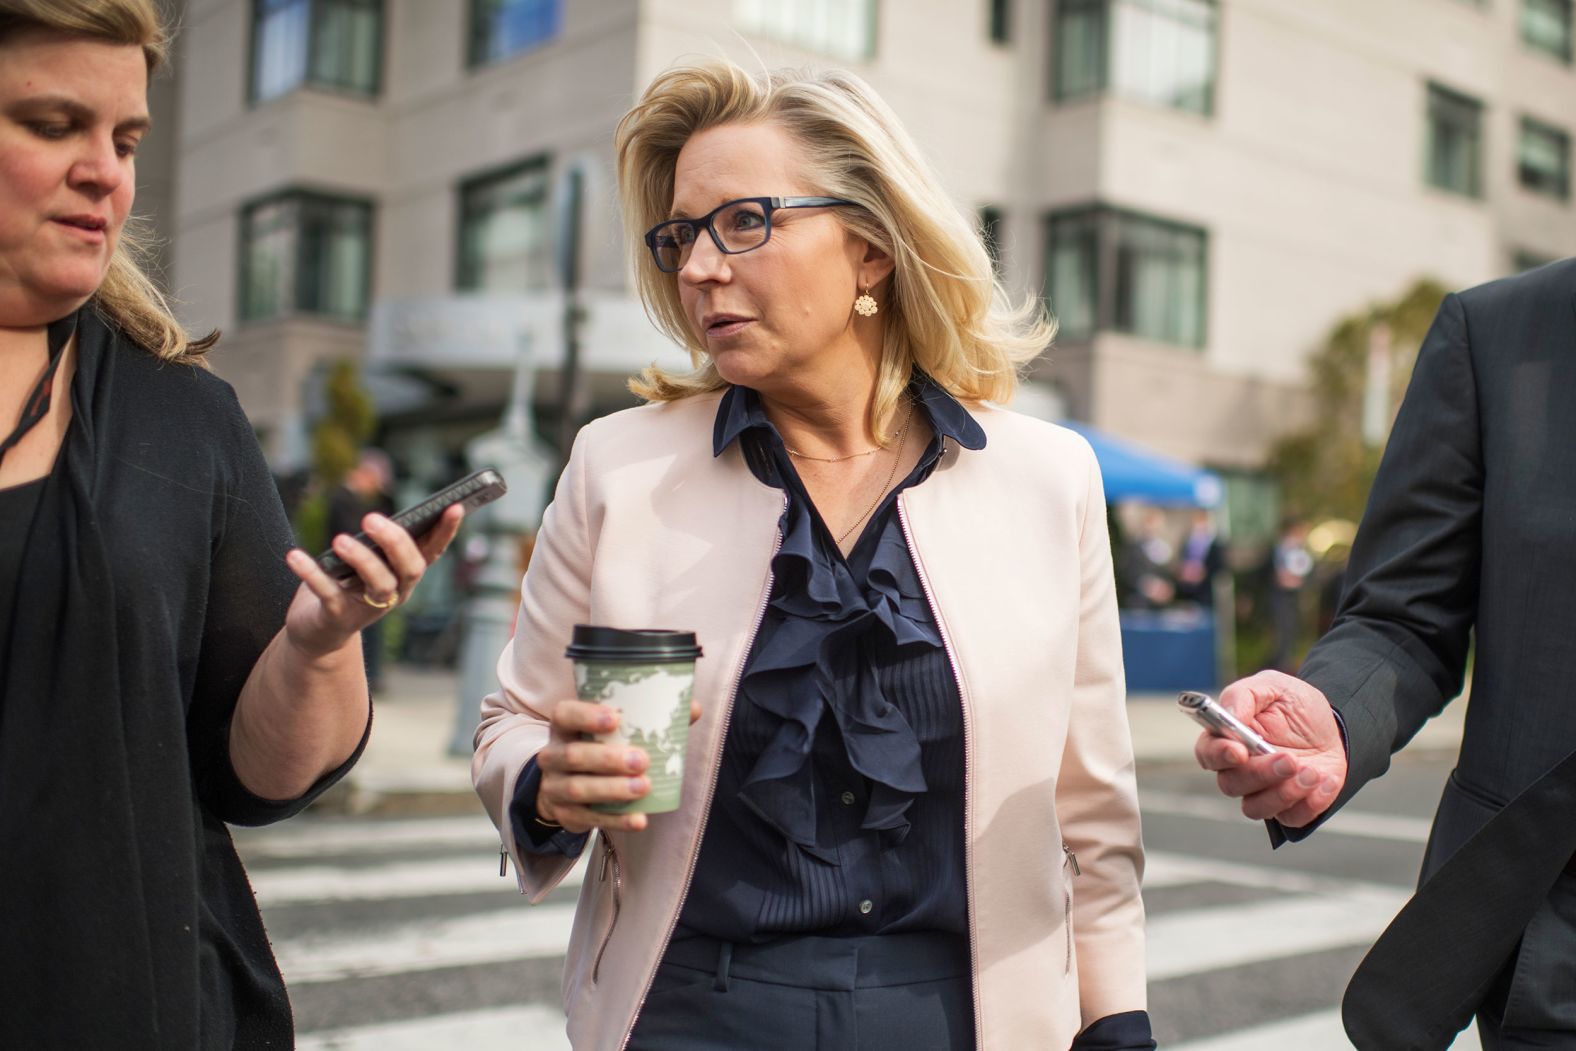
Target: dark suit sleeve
1396	653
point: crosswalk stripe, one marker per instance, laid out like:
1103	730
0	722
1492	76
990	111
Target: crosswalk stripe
1166	869
535	1026
525	932
1345	823
1197	940
1316	1032
415	879
334	836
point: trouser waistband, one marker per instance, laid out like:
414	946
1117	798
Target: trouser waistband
813	962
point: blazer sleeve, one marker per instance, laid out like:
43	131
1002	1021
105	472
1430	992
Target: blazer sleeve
1397	651
1097	791
533	673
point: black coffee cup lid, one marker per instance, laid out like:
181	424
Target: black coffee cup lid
647	645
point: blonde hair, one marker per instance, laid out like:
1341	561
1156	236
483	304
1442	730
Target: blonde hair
126	297
945	312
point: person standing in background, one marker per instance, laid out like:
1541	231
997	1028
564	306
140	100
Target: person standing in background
367	489
1202	557
1145	569
1291	564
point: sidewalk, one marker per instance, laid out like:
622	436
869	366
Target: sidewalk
407	770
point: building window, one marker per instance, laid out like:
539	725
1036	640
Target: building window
504	245
990	233
306	253
1107	269
1001	21
332	44
1546	26
501	29
1455	142
1157	51
840	28
1544	159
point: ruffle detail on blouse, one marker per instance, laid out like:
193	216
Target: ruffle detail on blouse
822	613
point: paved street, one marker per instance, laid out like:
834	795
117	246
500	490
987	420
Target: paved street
396	933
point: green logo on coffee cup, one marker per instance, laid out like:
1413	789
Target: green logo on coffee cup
654	704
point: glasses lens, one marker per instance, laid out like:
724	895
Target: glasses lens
671	244
740	226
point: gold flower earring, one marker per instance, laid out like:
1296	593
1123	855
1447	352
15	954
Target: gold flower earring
865	305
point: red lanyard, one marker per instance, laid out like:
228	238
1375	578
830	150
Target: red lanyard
37	405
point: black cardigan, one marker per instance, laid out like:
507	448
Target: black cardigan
152	579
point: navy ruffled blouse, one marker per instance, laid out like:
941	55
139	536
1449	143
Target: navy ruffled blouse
839	802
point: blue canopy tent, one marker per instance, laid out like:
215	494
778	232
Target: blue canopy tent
1132	472
1162	650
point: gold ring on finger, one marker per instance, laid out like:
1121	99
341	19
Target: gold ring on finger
387	603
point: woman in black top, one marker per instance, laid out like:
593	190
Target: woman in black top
167	662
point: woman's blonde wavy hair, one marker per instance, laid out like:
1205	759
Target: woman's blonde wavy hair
944	309
126	297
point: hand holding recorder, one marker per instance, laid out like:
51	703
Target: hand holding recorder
1296	781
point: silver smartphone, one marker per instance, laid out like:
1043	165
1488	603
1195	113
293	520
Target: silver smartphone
1204	710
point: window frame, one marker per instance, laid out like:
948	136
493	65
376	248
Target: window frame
1534	126
1568	53
1106	62
476	59
1438	95
998	19
872	33
309	80
462	272
1106	222
303	199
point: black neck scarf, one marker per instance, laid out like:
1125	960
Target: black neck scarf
36	407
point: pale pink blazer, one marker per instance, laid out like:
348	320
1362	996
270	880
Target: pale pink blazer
648	529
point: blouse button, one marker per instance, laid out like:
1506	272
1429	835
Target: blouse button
865	906
848	799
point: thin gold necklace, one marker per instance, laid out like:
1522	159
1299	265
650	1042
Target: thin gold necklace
831	459
897	458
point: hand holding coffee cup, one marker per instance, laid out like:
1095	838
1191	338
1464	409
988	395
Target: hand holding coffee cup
617	753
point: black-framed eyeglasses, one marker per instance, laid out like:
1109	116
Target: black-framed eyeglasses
735	227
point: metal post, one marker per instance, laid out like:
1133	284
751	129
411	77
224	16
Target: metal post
570	395
488	617
528	468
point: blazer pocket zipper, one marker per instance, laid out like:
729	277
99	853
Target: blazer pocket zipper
1069	860
609	860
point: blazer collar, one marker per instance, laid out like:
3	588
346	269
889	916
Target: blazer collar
741	409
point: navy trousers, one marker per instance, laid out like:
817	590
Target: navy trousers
891	992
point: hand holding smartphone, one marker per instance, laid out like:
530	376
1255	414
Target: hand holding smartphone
1207	712
471	492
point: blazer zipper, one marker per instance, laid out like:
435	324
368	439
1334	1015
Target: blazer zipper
968	760
711	788
1069	859
608	855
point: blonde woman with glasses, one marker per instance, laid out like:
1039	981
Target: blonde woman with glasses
908	815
